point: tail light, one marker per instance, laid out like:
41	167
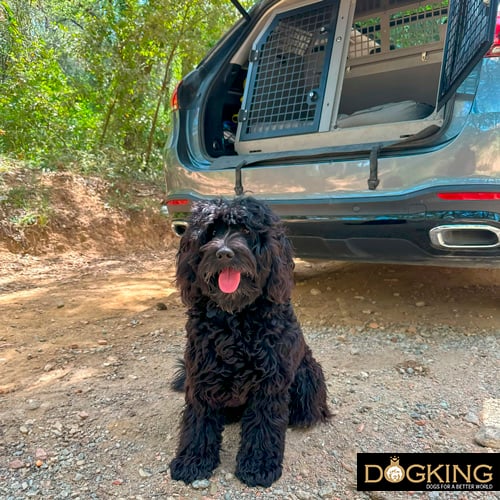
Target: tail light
177	202
495	48
174	98
470	196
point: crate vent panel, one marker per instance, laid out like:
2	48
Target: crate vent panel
415	26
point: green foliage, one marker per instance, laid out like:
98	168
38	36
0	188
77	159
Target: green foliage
41	112
89	80
26	206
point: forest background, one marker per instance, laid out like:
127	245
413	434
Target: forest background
86	84
85	89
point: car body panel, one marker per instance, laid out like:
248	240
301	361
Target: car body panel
460	160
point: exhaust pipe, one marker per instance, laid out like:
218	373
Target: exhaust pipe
179	227
465	237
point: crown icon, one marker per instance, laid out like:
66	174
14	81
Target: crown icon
394	460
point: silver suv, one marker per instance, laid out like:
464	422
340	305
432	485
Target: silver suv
372	127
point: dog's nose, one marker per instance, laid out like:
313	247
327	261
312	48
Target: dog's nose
224	253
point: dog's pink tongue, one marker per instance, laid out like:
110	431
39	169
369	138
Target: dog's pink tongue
229	279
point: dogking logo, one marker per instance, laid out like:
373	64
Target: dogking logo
394	473
428	471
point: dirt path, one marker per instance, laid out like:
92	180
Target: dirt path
87	348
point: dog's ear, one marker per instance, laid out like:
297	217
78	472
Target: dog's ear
187	263
188	256
280	282
274	250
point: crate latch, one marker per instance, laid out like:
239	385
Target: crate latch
254	56
242	115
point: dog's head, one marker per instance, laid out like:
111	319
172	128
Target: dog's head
234	251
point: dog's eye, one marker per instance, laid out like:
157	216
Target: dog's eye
215	231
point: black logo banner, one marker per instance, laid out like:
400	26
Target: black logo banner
428	471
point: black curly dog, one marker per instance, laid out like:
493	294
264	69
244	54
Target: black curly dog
246	357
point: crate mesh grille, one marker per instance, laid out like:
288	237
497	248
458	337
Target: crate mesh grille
469	28
365	38
286	95
417	26
407	28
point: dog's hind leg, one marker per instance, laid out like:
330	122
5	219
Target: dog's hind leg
179	380
199	446
308	394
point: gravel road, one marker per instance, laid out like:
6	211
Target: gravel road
87	349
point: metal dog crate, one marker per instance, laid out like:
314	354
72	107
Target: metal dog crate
288	72
312	64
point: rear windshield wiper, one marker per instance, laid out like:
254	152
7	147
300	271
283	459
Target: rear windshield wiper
241	9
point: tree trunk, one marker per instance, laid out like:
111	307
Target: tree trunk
164	83
107	119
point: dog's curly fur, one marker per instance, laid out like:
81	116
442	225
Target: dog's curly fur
246	357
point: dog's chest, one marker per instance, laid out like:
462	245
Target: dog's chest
235	361
241	355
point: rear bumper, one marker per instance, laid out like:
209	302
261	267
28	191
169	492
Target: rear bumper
397	241
398	229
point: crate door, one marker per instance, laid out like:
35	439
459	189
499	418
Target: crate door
287	73
471	25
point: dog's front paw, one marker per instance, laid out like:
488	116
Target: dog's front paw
188	470
258	473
